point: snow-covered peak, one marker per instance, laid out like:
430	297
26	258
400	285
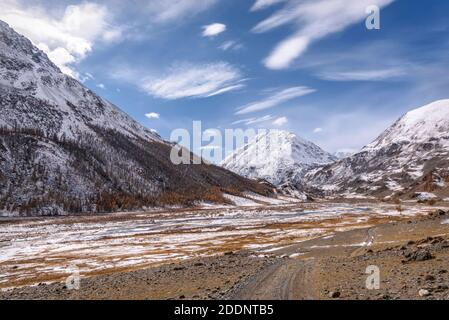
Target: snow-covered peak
430	122
36	94
411	155
275	155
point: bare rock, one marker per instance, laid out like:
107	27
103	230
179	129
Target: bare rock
423	293
334	294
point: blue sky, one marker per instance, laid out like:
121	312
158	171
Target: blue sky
310	67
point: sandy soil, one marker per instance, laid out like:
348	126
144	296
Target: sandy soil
412	254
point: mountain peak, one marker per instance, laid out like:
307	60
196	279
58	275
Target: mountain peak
276	156
36	94
64	149
409	156
419	125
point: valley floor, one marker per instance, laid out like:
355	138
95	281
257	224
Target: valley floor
278	251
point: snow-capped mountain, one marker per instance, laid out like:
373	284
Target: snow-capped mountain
343	154
65	149
412	155
35	94
279	157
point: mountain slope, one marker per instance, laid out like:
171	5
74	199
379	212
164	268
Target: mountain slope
65	149
35	94
410	156
280	157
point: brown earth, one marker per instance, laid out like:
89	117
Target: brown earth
412	257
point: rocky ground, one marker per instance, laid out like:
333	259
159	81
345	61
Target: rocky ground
207	278
412	257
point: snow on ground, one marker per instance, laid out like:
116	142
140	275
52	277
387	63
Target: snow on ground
423	196
394	186
37	250
240	201
278	200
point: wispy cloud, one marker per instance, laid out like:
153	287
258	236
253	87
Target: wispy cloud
66	39
163	11
262	4
280	121
251	121
213	29
230	45
275	99
317	130
198	81
313	20
363	75
153	115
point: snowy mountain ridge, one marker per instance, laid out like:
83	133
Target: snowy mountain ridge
427	123
276	156
65	150
35	93
410	156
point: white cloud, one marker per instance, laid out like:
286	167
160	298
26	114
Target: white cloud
317	130
188	80
363	75
230	45
280	121
313	20
250	121
153	115
61	57
213	29
101	86
88	75
276	99
66	38
163	11
262	4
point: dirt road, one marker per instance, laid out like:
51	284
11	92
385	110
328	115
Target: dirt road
412	255
328	268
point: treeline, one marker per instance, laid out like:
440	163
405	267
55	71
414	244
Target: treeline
49	174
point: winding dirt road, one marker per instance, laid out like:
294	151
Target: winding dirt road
299	279
290	280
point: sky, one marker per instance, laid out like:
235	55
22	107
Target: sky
311	67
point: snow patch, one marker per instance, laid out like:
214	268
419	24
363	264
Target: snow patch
241	202
425	196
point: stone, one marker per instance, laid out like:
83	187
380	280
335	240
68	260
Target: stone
334	294
424	293
430	278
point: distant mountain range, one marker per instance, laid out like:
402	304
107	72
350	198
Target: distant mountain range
411	156
63	149
279	157
66	150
